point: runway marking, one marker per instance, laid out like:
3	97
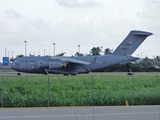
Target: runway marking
89	115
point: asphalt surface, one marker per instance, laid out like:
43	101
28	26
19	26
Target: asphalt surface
82	113
15	74
95	73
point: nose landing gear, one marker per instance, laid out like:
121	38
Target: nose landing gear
18	73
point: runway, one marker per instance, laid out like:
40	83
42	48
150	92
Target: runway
15	74
82	113
95	73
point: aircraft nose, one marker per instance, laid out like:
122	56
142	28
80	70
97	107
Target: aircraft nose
12	65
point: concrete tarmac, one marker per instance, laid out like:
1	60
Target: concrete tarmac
82	113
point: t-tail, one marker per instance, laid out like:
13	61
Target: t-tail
131	42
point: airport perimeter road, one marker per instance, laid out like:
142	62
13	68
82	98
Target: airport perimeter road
82	113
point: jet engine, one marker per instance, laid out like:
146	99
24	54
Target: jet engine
56	65
62	72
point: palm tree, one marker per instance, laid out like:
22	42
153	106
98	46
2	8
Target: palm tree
61	54
78	54
95	51
18	56
107	51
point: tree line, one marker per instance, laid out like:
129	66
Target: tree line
143	65
93	51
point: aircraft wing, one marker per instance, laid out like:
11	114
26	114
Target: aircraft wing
70	60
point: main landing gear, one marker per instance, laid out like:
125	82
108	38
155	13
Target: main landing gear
69	74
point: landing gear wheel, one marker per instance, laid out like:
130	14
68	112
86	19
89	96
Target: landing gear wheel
66	74
18	73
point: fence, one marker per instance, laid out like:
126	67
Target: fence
98	89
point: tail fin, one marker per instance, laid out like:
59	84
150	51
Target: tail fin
131	42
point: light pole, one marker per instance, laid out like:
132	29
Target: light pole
6	52
44	51
25	48
102	49
78	48
54	49
12	54
153	61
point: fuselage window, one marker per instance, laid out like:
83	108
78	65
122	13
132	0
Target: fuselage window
31	62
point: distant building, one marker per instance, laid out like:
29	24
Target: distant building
5	61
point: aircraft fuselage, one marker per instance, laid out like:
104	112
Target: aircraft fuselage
39	64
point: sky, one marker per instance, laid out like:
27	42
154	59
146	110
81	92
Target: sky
69	23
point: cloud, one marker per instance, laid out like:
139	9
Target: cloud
150	14
119	10
12	13
149	20
90	29
76	3
13	22
15	28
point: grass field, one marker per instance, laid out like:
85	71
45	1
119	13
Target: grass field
7	70
109	89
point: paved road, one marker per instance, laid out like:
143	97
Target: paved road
82	113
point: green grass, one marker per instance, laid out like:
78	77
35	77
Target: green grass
109	89
7	70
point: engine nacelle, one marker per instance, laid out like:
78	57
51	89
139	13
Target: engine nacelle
55	65
43	64
62	72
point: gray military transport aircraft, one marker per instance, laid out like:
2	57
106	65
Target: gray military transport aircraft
77	65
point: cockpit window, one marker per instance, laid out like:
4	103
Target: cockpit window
17	61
